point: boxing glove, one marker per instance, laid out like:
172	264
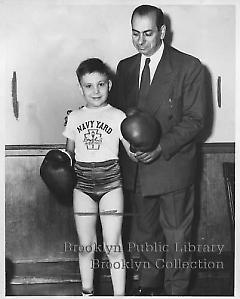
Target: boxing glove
58	174
141	130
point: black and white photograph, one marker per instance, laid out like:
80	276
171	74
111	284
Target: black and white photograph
119	130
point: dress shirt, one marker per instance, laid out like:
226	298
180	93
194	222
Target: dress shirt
155	59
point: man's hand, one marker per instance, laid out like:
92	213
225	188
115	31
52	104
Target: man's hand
149	156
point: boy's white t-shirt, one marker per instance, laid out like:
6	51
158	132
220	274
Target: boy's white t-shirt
96	132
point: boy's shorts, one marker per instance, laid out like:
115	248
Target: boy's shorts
98	178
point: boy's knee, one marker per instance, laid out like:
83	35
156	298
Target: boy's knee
86	248
113	250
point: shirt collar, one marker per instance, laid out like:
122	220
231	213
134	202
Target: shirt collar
156	57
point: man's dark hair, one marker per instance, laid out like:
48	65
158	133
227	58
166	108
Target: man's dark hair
93	65
144	10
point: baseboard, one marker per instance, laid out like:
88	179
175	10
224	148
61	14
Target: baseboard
68	271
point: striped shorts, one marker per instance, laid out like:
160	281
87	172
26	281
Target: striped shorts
98	178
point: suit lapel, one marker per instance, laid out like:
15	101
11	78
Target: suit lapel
133	80
161	84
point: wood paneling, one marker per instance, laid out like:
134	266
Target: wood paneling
217	213
37	225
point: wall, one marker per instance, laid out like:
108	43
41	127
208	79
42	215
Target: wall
44	41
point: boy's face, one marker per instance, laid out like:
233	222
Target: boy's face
95	88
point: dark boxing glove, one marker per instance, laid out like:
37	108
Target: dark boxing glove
141	130
58	174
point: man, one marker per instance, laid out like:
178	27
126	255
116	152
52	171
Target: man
171	88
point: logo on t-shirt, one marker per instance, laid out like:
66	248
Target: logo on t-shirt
93	139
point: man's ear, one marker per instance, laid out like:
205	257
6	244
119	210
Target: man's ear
163	31
109	85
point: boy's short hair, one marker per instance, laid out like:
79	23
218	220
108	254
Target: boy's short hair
93	65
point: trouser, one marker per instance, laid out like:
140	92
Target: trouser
165	222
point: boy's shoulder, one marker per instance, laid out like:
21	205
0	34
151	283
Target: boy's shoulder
76	111
116	111
73	115
81	112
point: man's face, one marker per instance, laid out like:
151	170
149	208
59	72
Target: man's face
146	37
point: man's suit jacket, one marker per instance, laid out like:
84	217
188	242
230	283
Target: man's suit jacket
176	99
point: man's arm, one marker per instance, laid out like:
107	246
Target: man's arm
193	110
116	95
193	113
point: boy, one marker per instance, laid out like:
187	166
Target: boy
93	134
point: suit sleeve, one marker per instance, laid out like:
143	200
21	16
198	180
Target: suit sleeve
193	112
116	96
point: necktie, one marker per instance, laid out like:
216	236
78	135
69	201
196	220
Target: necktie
145	83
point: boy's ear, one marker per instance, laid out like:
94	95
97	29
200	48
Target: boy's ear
109	85
81	88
